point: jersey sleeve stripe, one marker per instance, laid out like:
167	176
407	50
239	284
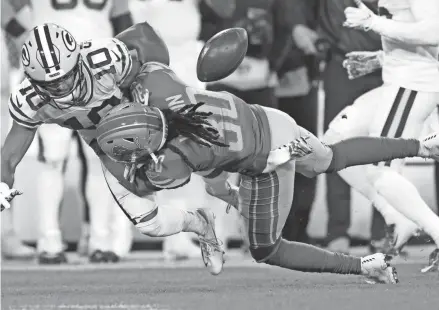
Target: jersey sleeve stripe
24	123
125	55
17	110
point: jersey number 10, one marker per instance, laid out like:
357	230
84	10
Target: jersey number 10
224	115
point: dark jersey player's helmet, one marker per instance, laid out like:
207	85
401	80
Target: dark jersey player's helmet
52	62
131	132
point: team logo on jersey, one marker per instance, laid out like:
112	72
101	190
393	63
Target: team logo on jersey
139	93
69	41
25	57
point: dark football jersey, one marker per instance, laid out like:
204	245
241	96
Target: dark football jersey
244	128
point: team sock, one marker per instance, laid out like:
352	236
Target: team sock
303	257
369	150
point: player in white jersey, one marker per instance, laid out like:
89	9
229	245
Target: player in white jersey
410	38
86	19
74	86
178	23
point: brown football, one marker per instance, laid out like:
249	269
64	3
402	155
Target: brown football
222	54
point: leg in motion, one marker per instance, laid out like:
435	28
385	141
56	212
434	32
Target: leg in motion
266	201
167	220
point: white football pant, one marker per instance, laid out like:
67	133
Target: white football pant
388	111
55	142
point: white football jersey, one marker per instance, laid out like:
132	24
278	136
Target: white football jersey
410	66
107	62
85	19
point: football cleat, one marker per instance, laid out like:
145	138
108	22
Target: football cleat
433	262
222	54
211	250
377	269
46	258
13	248
112	257
99	256
429	146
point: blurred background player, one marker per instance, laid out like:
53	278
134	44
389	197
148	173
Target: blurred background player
314	21
13	31
410	35
109	234
178	23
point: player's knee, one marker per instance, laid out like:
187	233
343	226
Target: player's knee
55	164
262	254
340	127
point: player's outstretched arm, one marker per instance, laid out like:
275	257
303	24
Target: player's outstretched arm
16	145
424	31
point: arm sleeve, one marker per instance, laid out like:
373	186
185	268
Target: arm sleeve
424	31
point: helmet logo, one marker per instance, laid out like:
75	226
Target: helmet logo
25	57
69	41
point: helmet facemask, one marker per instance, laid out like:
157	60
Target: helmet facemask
69	89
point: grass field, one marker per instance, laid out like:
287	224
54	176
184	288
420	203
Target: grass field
146	282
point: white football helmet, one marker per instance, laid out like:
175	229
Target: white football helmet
52	62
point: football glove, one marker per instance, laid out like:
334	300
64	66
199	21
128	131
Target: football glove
360	17
6	195
358	64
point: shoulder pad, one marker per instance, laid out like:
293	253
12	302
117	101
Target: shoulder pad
107	57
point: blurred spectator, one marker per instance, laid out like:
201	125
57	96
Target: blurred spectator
268	26
109	235
339	92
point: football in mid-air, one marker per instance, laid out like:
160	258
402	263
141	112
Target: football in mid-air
222	54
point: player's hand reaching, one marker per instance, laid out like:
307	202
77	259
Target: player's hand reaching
360	17
361	63
6	195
